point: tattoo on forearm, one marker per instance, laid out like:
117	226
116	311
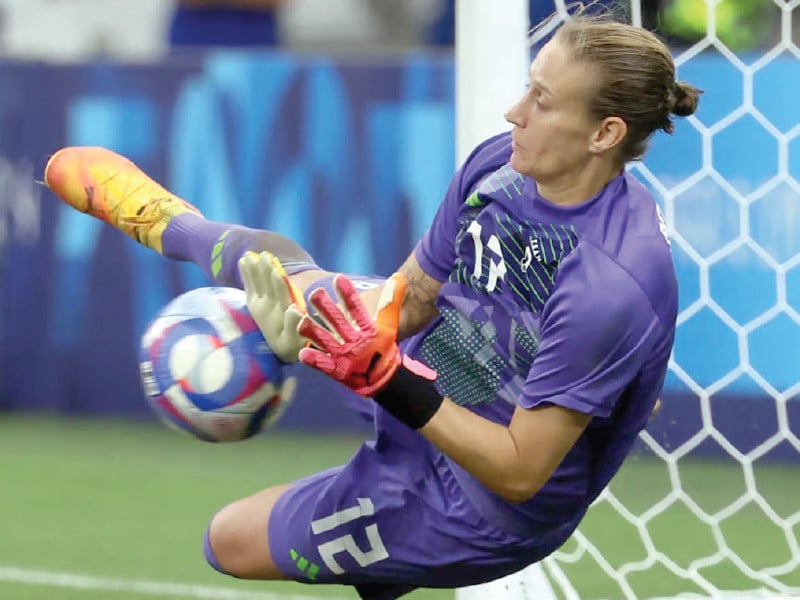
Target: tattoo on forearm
419	305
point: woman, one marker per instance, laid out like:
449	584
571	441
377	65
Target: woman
543	295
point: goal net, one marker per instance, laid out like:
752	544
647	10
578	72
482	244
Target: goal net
709	503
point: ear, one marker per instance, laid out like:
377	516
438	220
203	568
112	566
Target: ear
609	134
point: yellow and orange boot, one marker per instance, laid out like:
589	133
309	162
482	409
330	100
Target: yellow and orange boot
110	187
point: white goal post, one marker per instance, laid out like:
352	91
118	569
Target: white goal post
706	511
492	62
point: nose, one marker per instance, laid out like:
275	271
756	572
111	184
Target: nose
514	115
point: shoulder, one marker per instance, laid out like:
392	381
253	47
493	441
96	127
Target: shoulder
598	309
645	251
591	274
629	228
629	269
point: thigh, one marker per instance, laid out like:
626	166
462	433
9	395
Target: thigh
391	519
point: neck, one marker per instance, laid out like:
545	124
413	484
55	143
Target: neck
573	188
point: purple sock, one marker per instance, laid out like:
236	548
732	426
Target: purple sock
217	247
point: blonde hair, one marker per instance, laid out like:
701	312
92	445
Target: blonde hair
635	77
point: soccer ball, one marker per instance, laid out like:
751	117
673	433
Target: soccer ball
207	369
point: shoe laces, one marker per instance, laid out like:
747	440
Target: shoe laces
148	214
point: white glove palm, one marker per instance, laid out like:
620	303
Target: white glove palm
274	302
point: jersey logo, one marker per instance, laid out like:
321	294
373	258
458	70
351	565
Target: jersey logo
527	259
475	201
532	250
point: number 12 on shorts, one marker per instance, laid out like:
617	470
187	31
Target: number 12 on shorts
346	543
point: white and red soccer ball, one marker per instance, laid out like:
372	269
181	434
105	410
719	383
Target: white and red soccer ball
207	369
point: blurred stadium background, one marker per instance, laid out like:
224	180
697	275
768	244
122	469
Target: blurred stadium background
339	132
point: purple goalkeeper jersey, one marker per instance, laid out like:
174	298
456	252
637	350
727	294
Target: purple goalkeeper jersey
544	304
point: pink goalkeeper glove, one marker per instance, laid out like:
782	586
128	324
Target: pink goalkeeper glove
355	350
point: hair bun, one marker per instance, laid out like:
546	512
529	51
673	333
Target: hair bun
683	99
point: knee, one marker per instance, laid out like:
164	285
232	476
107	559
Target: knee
211	556
237	544
235	549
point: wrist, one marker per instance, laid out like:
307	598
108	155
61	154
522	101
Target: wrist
410	395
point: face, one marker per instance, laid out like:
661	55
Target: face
553	130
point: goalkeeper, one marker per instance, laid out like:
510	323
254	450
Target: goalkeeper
541	305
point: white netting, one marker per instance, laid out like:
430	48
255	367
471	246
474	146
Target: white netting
709	508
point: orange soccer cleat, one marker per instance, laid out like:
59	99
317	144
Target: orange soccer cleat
110	187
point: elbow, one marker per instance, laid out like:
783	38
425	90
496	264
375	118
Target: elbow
517	490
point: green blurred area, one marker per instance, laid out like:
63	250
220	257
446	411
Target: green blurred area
131	501
741	25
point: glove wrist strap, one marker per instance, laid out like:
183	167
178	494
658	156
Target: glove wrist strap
410	398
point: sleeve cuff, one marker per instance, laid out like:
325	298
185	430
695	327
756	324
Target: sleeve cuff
567	401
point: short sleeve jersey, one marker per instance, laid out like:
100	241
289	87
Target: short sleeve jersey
550	305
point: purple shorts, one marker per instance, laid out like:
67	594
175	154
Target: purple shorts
392	519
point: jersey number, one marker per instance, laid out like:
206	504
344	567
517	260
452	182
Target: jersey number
328	551
497	268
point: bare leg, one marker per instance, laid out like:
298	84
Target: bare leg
239	536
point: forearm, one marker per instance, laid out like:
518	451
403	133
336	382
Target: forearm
485	449
419	304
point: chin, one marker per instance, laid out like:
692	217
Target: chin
516	162
519	165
